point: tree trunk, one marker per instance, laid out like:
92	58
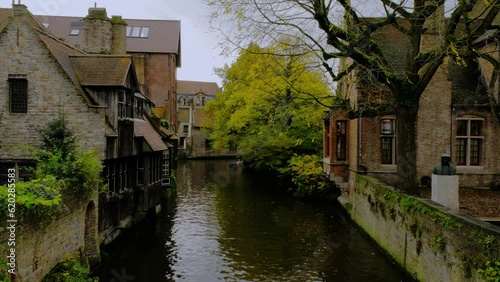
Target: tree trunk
406	150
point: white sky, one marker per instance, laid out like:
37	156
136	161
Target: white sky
200	52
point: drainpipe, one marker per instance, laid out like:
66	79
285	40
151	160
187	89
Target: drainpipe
451	131
360	146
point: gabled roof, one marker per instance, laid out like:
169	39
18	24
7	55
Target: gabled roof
164	35
143	128
4	18
185	87
101	70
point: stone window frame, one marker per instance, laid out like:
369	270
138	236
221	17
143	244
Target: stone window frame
183	101
388	141
466	153
18	93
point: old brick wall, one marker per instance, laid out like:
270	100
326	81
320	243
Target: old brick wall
50	92
434	123
160	76
40	246
430	241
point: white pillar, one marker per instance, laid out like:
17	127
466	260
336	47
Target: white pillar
445	190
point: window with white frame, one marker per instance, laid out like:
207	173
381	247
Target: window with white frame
469	143
388	141
138	31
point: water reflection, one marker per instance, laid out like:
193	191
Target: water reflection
226	225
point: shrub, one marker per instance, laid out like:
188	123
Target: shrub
308	177
69	270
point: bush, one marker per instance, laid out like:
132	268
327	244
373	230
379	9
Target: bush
59	155
308	177
40	198
69	270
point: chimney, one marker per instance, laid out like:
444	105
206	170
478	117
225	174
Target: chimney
119	36
19	10
98	34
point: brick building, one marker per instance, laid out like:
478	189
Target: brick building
155	46
99	94
191	100
458	115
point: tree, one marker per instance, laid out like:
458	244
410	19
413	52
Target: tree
341	29
266	108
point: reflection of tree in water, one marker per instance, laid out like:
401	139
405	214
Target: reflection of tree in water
263	241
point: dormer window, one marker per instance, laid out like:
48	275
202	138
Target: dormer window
75	28
138	31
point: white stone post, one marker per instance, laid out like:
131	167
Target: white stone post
445	190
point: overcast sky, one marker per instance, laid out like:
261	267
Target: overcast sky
200	51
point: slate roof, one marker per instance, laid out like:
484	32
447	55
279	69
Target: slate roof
185	87
143	128
164	35
101	70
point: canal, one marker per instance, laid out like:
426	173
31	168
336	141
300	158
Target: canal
225	224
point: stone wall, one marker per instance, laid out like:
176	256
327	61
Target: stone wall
42	245
50	92
432	242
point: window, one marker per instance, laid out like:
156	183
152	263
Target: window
197	101
138	108
124	105
155	168
75	28
166	163
140	171
388	141
183	101
341	140
203	99
469	142
23	170
18	93
138	31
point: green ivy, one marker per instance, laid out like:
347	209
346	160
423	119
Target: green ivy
490	271
40	198
3	271
69	270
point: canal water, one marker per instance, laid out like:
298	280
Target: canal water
225	224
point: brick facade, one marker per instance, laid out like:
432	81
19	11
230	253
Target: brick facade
98	95
454	97
50	92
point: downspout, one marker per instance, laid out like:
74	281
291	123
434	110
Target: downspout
360	146
451	130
